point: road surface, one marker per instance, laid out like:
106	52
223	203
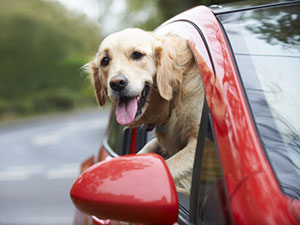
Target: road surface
39	161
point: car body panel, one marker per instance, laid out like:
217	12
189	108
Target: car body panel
256	203
243	159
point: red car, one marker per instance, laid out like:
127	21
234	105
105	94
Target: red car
247	163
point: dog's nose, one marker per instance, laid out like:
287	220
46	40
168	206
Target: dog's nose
118	82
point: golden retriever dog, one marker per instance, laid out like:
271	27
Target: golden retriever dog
154	80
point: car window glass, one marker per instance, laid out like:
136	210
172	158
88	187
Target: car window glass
210	170
266	46
113	133
118	137
141	138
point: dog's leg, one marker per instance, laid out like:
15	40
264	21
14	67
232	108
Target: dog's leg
181	166
151	147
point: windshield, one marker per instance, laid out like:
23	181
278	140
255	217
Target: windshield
266	46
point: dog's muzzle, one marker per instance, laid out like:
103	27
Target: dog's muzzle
130	107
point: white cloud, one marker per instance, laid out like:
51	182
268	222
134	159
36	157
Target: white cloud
109	18
91	8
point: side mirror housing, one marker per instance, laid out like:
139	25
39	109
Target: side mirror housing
134	188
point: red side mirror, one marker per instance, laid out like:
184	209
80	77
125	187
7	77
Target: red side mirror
135	188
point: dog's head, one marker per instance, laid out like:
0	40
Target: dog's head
129	67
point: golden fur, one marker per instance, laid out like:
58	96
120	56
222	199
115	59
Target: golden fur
175	100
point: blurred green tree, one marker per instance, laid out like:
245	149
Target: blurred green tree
150	14
42	48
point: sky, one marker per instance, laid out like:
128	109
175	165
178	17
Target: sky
87	7
93	9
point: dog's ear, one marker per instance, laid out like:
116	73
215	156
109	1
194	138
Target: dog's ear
98	83
169	75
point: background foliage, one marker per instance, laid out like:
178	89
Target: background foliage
42	48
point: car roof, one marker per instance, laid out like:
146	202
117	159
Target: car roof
248	5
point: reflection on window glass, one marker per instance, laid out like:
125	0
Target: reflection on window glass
119	138
113	133
266	45
210	171
213	204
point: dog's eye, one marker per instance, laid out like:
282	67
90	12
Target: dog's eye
136	55
105	61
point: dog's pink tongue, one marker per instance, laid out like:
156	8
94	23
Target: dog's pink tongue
126	112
